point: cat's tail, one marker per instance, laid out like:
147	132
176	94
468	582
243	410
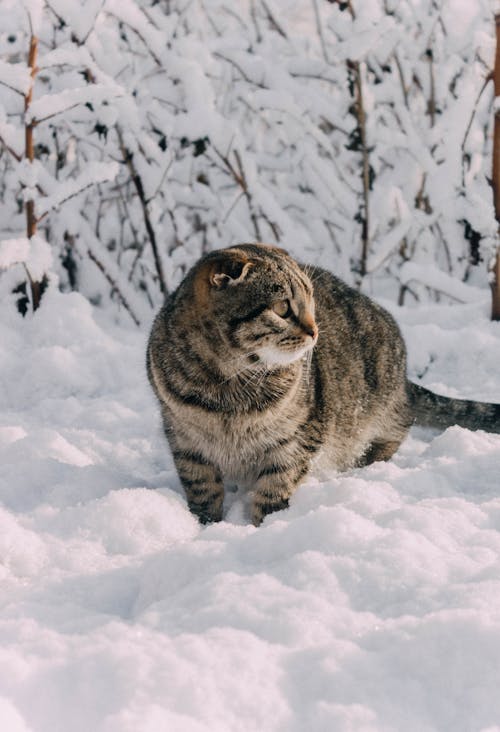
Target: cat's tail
434	410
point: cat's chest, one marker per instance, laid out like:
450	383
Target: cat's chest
237	444
231	441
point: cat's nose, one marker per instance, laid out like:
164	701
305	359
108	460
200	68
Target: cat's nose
309	326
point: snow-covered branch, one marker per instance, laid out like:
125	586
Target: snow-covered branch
172	128
50	105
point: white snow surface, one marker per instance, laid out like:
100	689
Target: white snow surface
372	604
34	253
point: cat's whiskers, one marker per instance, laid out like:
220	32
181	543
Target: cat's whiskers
307	270
261	371
259	381
308	362
238	359
317	276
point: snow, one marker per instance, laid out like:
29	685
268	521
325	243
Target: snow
35	253
371	604
15	76
94	173
34	11
49	105
442	282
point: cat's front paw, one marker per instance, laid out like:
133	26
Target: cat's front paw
207	513
262	507
207	518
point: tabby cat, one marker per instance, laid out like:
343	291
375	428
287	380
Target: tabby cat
263	368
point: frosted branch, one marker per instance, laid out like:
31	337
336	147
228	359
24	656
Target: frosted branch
51	105
94	174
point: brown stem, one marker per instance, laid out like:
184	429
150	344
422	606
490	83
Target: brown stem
154	56
139	187
319	30
355	68
496	131
422	199
248	195
404	90
239	69
113	284
495	284
272	20
11	150
29	153
12	88
431	105
240	179
29	149
495	287
487	80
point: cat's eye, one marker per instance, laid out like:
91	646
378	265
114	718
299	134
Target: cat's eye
282	308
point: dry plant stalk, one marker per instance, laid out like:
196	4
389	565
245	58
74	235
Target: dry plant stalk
139	187
365	169
495	284
29	152
114	285
354	67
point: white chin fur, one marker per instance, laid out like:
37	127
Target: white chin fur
274	357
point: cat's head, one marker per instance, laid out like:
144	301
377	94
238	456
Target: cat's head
259	300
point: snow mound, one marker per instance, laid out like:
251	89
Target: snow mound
371	604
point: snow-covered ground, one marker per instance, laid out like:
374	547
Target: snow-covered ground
373	603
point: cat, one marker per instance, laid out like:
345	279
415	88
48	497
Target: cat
264	367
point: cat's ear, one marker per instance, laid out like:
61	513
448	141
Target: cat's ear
220	270
229	270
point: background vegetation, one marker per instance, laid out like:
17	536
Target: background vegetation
139	134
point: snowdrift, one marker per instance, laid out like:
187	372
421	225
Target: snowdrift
373	603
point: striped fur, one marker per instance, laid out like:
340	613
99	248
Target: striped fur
251	394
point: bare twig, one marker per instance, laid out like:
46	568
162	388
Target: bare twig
355	68
487	80
402	80
248	195
55	13
91	27
12	88
240	180
319	30
272	19
63	200
164	175
36	287
445	247
244	76
137	181
431	104
422	199
495	284
29	150
177	240
253	16
37	121
135	234
113	284
10	150
153	55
